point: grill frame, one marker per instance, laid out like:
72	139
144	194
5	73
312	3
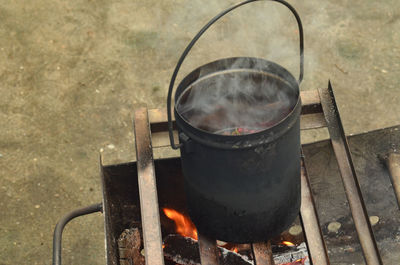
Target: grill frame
313	116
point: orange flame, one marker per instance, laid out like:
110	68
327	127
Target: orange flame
184	225
287	243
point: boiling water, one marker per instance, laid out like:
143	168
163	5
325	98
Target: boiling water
236	104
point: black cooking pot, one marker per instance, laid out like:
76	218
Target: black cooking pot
239	128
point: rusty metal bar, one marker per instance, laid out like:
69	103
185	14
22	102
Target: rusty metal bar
393	164
309	219
148	190
311	104
263	253
312	121
349	178
208	250
160	138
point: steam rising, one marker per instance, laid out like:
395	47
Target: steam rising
248	99
223	102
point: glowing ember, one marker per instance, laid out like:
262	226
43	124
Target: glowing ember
297	262
287	243
184	225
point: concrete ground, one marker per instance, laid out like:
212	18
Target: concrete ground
72	72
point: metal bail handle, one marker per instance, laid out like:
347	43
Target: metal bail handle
197	37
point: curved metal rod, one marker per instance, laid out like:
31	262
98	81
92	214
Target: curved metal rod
200	33
57	237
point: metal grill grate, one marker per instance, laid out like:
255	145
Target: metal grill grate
319	110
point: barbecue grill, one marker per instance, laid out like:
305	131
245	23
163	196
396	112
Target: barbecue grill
134	193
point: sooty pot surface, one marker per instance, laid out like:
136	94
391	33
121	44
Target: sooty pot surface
239	125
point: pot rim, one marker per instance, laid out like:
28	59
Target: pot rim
232	142
257	71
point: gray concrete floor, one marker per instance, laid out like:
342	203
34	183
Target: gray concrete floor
72	72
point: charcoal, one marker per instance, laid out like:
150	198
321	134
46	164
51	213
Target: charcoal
185	251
